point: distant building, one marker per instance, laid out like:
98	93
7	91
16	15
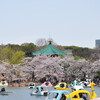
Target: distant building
68	52
97	43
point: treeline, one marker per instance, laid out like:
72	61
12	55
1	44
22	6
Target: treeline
87	53
14	53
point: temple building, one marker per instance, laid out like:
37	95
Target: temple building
49	50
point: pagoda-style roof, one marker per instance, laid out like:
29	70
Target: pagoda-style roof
49	50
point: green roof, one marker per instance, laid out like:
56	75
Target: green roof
49	50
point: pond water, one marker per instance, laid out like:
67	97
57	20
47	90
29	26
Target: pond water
23	93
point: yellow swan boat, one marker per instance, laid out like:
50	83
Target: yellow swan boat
75	95
62	86
3	83
84	94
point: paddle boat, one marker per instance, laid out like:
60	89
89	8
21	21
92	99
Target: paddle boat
40	91
85	83
93	93
75	85
3	83
31	85
62	86
75	82
57	95
47	83
66	95
3	91
75	95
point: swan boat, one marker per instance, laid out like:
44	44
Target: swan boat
39	91
75	95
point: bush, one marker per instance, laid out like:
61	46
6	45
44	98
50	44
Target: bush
78	57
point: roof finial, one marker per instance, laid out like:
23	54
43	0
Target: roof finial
50	40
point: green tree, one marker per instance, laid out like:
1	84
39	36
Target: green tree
28	48
80	51
11	56
14	46
6	53
17	57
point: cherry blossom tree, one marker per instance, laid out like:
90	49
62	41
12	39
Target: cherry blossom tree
41	66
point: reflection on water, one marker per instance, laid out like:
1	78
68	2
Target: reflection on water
23	93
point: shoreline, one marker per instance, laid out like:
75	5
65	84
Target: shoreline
20	84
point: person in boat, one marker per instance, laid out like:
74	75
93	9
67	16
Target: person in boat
63	97
82	96
2	90
56	96
3	82
47	83
42	89
36	90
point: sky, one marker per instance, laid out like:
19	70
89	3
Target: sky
67	22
